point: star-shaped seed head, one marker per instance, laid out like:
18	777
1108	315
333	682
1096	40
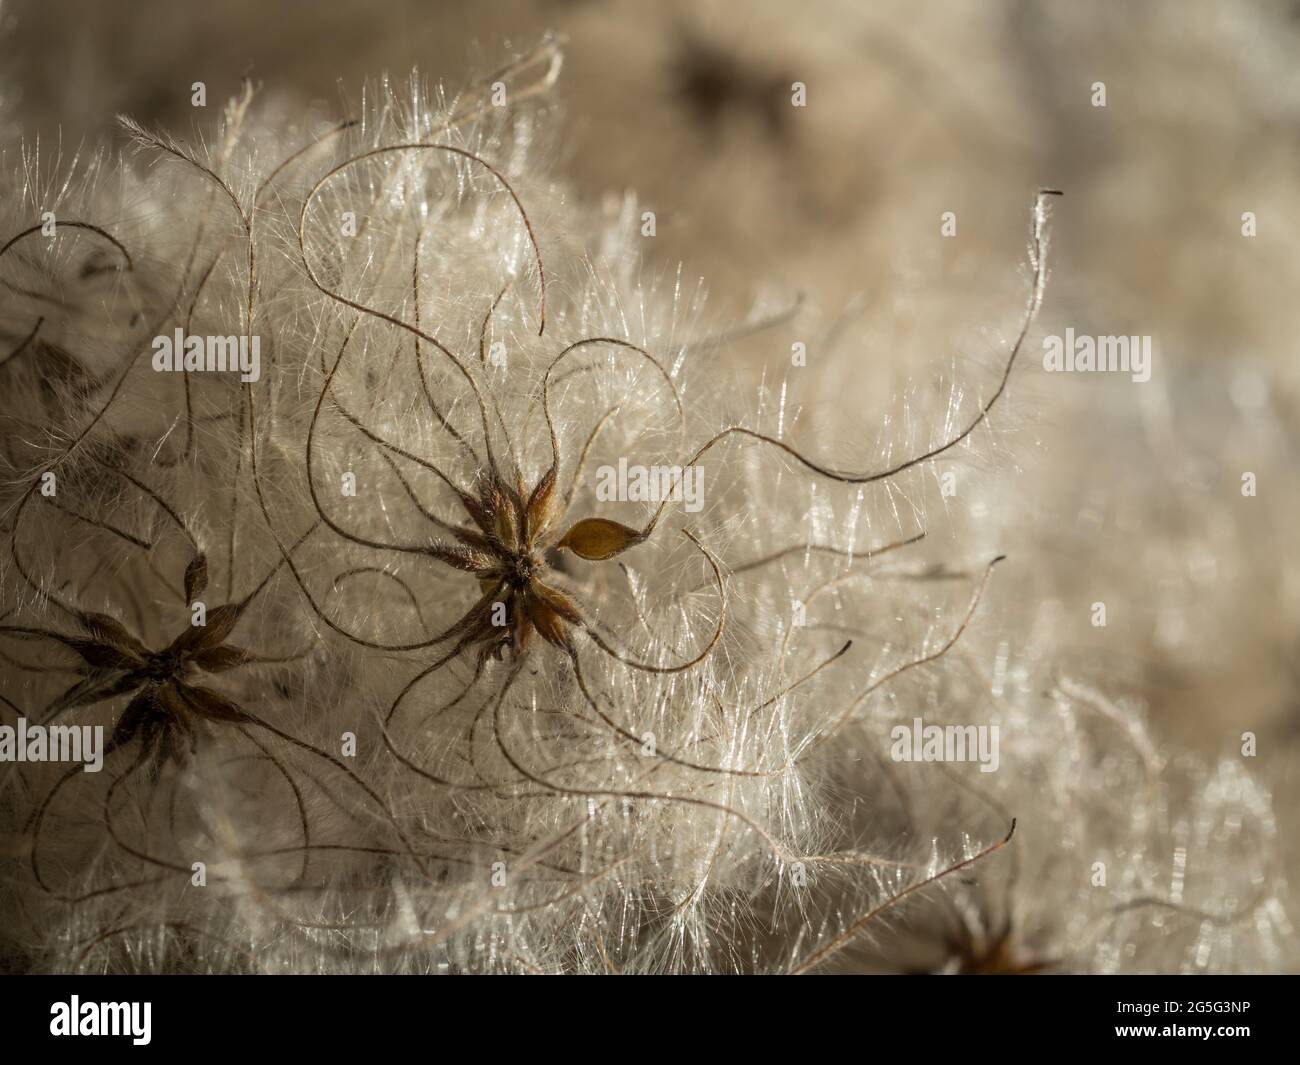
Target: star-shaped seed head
506	551
168	706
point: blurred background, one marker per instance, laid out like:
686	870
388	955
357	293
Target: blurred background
1102	489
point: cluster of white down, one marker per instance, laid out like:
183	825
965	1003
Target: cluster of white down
703	784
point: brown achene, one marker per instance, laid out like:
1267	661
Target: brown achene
505	555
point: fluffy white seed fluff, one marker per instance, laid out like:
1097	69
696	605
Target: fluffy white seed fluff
705	784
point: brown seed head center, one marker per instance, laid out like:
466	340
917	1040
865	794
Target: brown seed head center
523	568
